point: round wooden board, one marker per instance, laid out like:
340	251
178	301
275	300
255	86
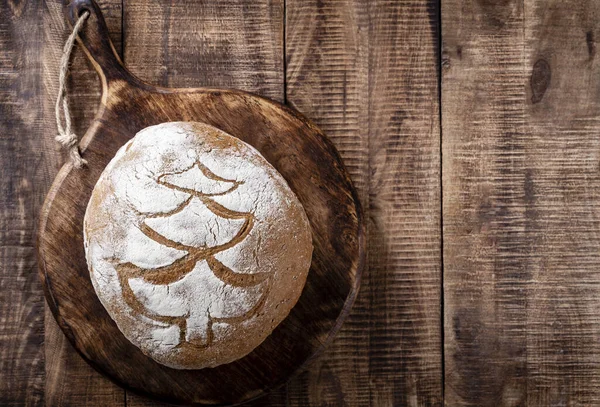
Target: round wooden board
293	145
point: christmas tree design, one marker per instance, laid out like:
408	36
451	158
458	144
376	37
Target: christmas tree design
241	295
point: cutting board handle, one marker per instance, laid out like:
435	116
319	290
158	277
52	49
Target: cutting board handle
96	41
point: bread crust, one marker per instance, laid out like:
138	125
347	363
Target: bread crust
196	245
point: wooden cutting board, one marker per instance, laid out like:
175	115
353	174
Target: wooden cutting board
290	142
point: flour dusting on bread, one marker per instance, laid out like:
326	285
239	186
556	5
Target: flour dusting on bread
196	245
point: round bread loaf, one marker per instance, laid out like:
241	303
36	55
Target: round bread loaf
195	244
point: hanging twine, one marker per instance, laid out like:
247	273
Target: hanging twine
65	137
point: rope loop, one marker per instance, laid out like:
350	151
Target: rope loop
66	137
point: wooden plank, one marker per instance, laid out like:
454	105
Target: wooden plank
23	175
224	43
366	74
69	380
404	204
326	79
231	44
521	185
275	399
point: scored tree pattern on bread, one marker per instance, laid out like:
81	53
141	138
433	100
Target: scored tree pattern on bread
181	267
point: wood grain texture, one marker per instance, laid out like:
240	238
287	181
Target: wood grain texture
404	204
367	74
293	145
232	44
23	165
521	183
520	168
326	78
69	380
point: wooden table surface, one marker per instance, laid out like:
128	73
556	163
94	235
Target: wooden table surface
471	129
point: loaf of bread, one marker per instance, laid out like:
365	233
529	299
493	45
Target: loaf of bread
196	245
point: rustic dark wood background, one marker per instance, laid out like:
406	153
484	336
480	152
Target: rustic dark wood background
472	131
